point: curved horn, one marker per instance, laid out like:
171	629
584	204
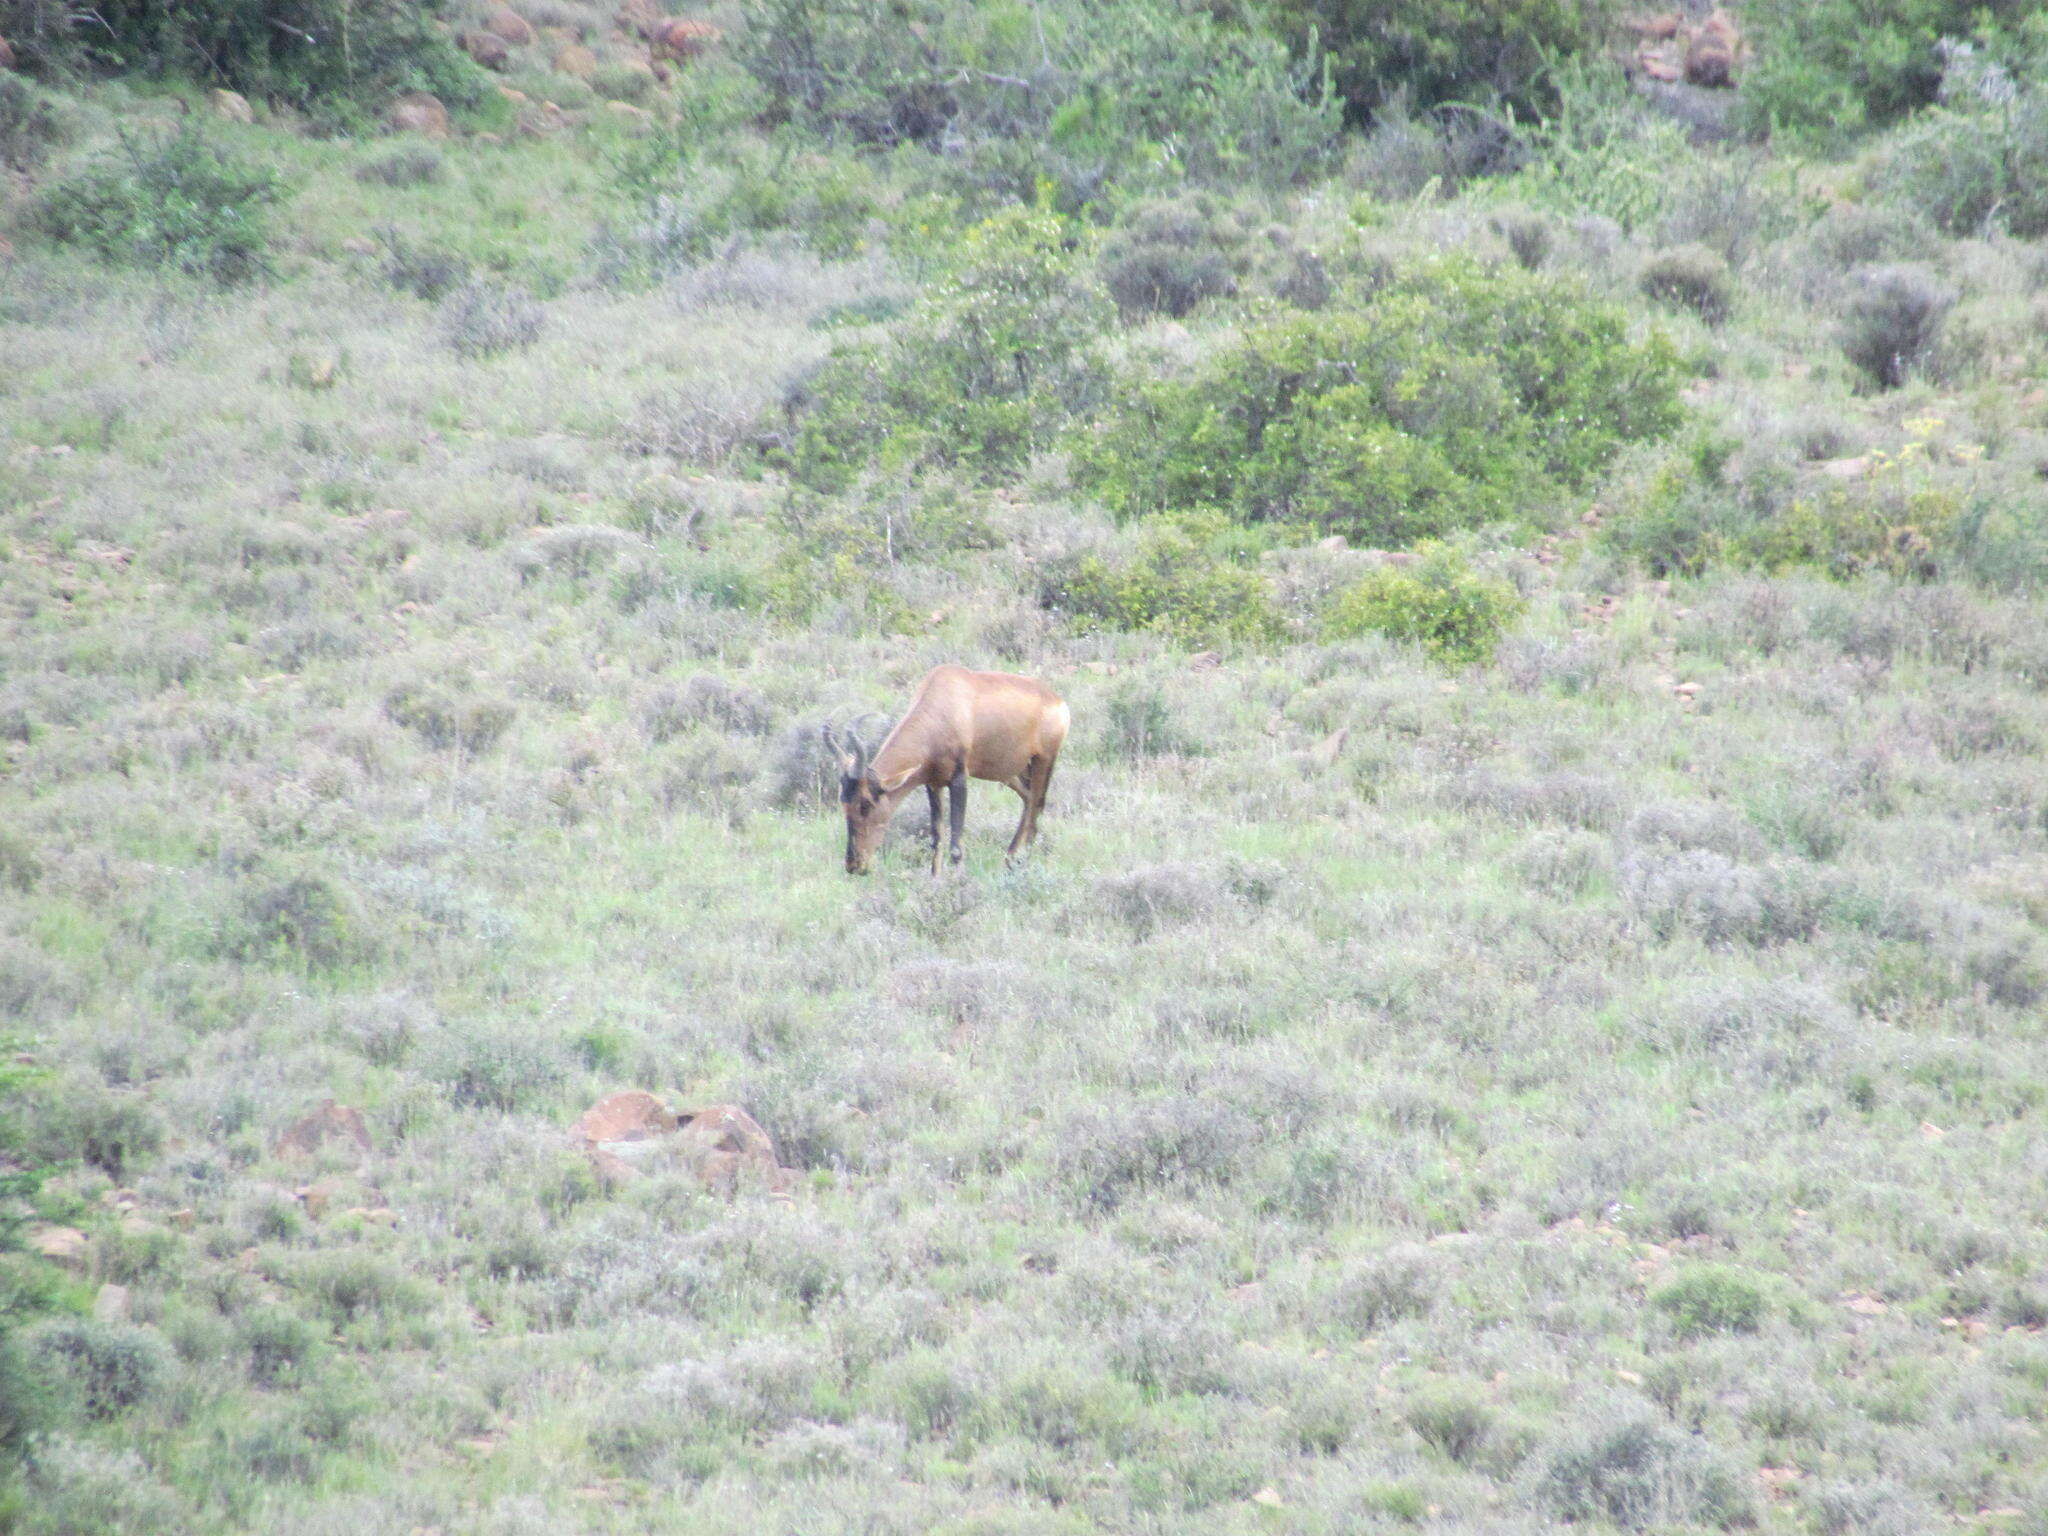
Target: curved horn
860	755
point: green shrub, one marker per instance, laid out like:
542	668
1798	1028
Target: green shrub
1681	517
980	374
1837	66
30	123
1894	321
28	1285
1712	1298
1690	277
1456	615
1175	583
1455	396
98	1368
1169	256
1979	161
1078	98
325	57
179	201
1639	1474
1441	50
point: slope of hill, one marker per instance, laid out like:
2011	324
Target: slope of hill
1545	1029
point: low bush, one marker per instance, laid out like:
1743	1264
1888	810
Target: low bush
1180	580
1439	602
483	320
979	374
99	1369
1431	51
1690	277
1638	1473
285	50
1130	94
1979	161
1894	321
1169	256
31	123
178	201
1681	515
1838	66
1712	1298
1454	396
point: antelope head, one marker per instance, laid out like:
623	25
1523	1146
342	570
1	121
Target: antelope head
861	796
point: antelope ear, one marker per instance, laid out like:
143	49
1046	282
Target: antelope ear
890	786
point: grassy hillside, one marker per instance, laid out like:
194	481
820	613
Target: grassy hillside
1527	1005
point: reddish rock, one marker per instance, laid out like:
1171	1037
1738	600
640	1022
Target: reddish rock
728	1128
419	112
1710	56
330	1122
487	48
508	25
681	39
233	107
1658	28
6	54
630	1116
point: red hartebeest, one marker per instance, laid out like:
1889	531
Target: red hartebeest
961	725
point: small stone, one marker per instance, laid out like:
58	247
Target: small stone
111	1304
185	1219
1864	1306
508	24
1204	661
359	245
6	54
60	1245
233	107
1844	469
1929	1131
419	112
1270	1497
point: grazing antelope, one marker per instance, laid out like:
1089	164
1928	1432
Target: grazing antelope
960	725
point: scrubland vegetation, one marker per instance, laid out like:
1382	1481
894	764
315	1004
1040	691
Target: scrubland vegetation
1527	1006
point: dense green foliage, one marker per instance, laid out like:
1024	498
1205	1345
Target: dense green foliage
1431	51
1451	396
1439	602
977	375
330	58
1093	100
1837	66
177	201
1181	580
1978	162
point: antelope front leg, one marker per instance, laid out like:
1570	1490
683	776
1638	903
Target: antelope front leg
931	800
958	792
